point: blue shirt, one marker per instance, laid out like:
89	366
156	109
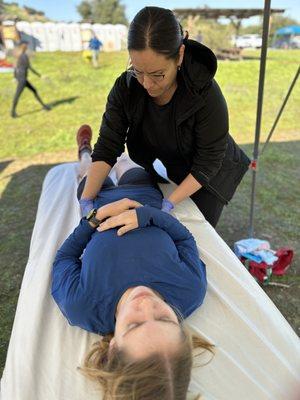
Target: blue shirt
95	44
93	269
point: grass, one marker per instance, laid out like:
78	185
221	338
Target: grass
36	141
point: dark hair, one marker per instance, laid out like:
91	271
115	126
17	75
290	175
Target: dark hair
157	29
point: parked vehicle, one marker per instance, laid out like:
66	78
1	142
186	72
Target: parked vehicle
286	42
295	42
253	41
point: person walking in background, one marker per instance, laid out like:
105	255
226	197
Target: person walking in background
95	45
21	72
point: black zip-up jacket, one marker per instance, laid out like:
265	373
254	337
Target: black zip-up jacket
201	125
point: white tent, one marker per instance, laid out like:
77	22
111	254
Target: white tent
109	36
65	42
65	37
86	34
75	36
52	35
25	31
112	41
99	30
122	32
39	33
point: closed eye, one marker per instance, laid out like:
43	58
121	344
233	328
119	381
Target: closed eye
131	326
136	325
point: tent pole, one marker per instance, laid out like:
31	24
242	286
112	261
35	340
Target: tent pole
281	110
263	56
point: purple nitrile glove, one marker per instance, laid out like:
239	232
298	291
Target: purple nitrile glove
167	206
86	205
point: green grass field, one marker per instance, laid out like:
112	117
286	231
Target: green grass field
37	140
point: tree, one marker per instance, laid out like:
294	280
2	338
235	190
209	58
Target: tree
208	31
85	10
277	21
103	11
1	6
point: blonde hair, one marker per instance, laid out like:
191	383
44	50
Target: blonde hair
124	379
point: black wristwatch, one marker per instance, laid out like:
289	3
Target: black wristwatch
91	217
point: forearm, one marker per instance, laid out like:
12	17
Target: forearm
74	245
187	187
34	71
182	238
95	178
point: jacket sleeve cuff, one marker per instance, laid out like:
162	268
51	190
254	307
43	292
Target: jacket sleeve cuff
202	178
143	216
109	161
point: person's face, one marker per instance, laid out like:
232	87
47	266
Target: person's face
24	47
145	324
154	71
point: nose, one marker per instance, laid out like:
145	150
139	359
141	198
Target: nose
147	82
147	304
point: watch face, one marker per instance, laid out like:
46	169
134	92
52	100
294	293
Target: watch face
91	214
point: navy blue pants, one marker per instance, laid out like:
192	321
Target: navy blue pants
134	176
210	206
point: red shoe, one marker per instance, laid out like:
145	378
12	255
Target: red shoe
84	137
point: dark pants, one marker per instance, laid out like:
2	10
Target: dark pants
22	84
134	176
210	206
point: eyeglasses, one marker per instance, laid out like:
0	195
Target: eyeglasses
140	75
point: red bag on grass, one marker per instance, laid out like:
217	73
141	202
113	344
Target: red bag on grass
285	256
262	272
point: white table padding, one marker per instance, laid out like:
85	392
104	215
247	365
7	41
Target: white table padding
257	352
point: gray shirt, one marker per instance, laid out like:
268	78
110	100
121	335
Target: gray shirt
21	70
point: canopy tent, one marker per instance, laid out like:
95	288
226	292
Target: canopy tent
235	15
289	30
52	36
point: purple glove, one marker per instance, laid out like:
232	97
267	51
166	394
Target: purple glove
86	205
167	206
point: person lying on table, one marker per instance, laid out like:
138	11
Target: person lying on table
132	273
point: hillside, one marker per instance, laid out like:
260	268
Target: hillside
12	11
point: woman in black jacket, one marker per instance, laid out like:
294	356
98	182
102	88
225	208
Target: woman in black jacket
168	106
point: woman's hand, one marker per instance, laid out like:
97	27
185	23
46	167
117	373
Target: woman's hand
127	220
116	208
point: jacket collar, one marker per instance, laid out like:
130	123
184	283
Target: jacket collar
198	67
197	71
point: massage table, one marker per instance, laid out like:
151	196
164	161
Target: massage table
257	353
